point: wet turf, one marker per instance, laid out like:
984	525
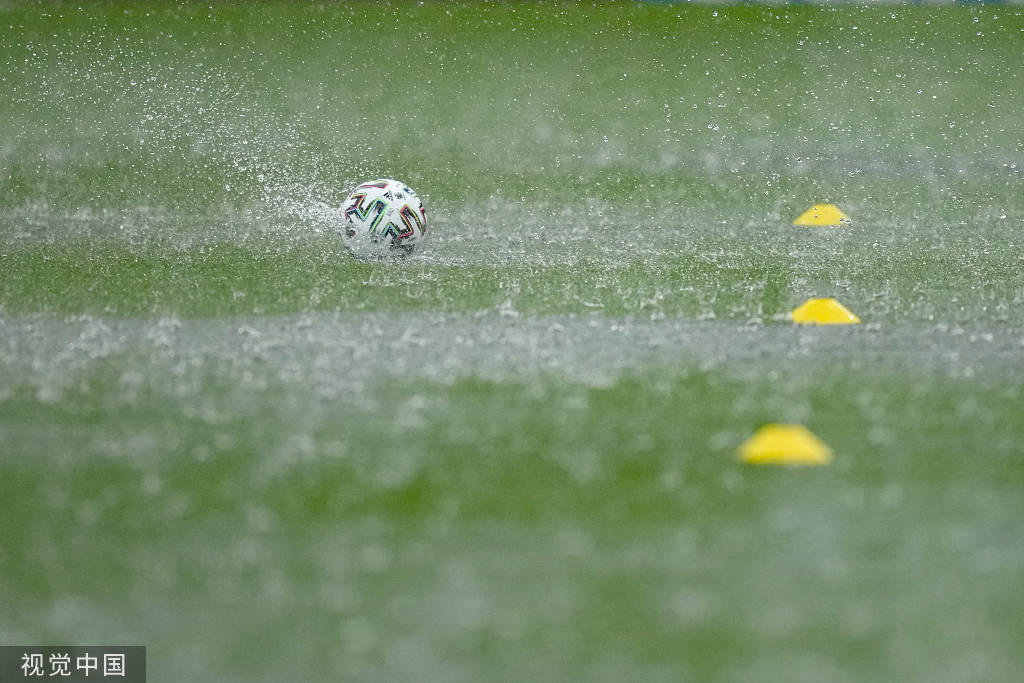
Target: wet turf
512	456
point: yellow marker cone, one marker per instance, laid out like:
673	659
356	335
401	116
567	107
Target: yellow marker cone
821	215
785	444
823	312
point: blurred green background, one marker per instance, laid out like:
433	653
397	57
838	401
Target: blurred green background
511	457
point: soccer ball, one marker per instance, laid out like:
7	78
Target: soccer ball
383	218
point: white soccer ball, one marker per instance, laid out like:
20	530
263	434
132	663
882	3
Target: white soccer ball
383	218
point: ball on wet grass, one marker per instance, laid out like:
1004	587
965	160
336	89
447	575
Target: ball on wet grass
383	218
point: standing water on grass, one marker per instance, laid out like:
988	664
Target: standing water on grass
512	455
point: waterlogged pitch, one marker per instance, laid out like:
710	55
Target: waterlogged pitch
513	456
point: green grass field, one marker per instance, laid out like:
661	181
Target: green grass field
512	456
